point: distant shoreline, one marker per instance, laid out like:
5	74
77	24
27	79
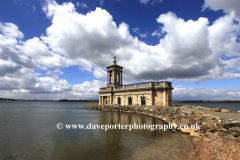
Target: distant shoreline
90	100
206	101
62	100
66	100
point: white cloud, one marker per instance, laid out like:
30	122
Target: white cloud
200	88
9	41
190	49
137	30
152	1
101	2
144	1
10	30
55	73
223	36
156	33
83	5
228	6
34	8
205	94
100	73
35	48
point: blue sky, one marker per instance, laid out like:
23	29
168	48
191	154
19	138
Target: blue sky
57	49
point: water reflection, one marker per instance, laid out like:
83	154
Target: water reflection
29	132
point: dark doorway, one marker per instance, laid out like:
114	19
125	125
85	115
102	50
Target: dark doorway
130	101
143	101
119	101
106	101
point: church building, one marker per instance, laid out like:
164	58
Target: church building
147	93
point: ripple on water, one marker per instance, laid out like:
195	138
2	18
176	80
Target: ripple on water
30	132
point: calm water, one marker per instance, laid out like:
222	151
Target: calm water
224	105
28	131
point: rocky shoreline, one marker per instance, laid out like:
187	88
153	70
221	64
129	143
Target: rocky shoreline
220	135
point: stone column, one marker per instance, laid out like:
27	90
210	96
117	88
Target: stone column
121	76
110	100
107	78
99	100
137	99
164	97
151	97
102	100
113	76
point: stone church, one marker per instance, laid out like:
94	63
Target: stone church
147	93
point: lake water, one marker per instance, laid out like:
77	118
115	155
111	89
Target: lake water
232	106
28	131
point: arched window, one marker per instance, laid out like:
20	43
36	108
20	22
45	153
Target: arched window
119	101
130	101
143	101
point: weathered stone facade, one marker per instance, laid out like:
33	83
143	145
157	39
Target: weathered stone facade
147	93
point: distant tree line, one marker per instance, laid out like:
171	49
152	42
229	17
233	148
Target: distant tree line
80	100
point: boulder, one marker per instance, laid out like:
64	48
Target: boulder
238	111
225	133
195	134
231	125
186	130
213	135
235	129
235	134
225	110
217	109
229	137
208	126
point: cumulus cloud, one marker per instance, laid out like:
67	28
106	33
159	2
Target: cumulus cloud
10	30
228	6
189	50
55	73
84	37
9	54
223	36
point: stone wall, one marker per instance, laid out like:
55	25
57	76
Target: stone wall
210	126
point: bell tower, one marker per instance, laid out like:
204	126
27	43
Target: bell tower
114	74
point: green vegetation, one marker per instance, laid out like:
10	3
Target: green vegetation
6	99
